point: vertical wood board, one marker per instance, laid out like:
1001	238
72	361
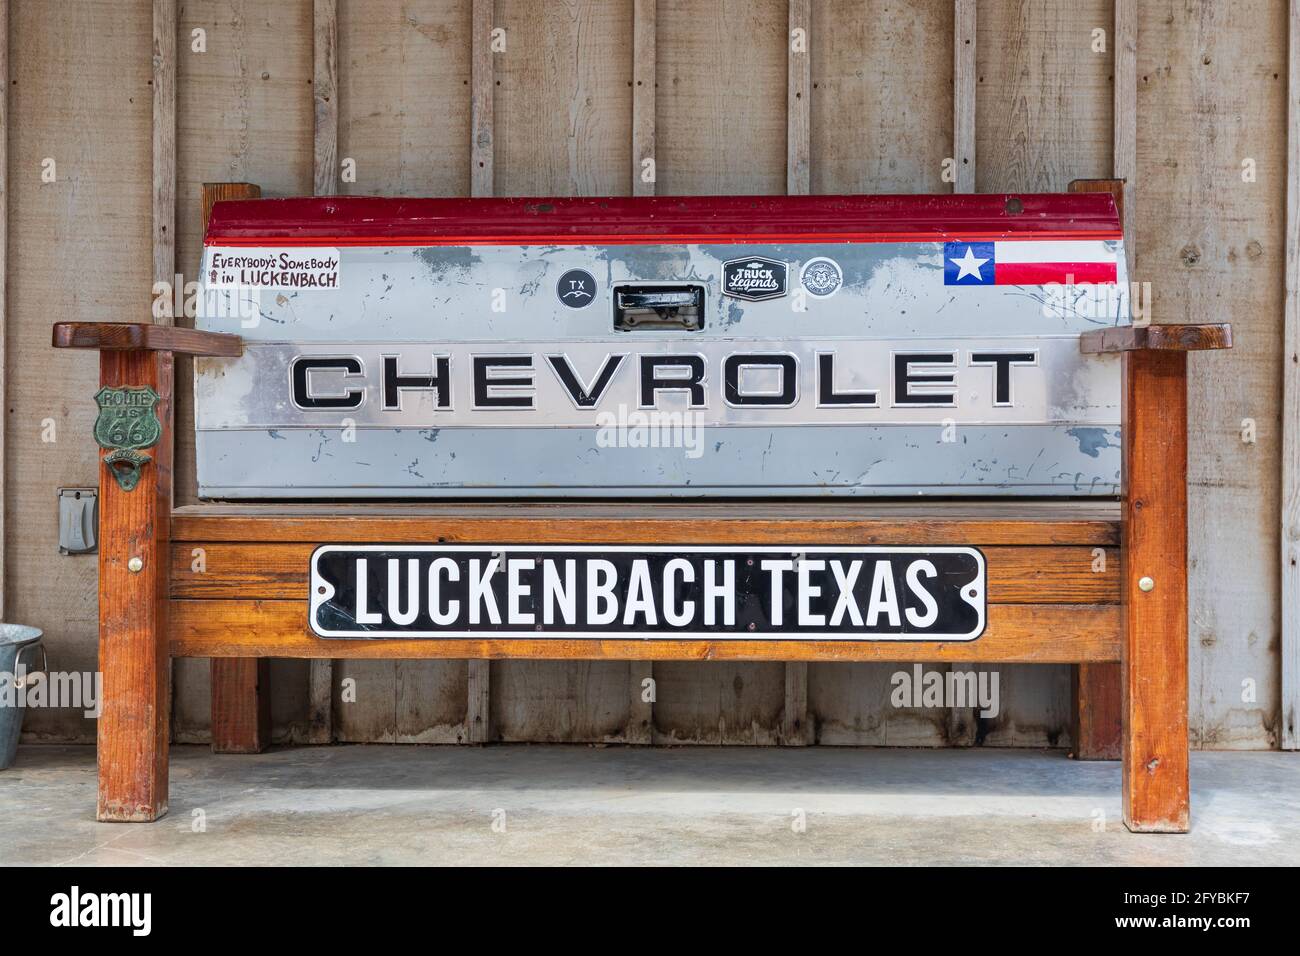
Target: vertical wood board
1211	94
720	109
85	252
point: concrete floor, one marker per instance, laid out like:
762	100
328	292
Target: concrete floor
604	805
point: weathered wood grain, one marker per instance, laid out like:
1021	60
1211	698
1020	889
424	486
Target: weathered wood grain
796	727
719	703
1016	574
241	705
562	122
320	702
134	611
1027	633
1044	110
722	79
1097	704
478	712
644	82
1043	522
325	99
136	336
1167	338
404	126
561	125
1042	119
78	247
482	95
1155	758
1095	699
164	145
325	182
1290	497
798	99
1125	110
798	164
639	728
404	112
562	702
483	150
965	23
853	706
880	122
239	696
4	275
244	113
641	697
1212	95
1034	705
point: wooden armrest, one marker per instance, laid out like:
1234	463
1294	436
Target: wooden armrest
1165	338
140	336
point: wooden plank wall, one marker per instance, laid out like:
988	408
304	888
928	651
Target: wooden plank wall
244	114
1212	243
1042	118
4	280
404	73
78	246
581	94
1290	492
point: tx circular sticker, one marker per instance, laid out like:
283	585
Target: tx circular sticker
821	277
576	288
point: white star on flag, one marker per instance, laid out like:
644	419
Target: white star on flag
968	265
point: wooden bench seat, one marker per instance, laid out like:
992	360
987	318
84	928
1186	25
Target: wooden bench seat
1076	582
1053	569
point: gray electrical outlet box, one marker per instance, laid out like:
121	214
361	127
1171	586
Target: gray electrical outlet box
78	520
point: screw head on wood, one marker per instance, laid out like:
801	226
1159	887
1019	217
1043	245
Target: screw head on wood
135	565
1146	584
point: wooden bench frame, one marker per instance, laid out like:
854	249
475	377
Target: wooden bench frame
1047	601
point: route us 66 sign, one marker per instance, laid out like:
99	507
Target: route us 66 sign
127	422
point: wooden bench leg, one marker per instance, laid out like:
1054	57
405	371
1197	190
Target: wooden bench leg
1154	591
1097	711
241	705
133	640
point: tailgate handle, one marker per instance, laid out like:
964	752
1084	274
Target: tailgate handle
665	307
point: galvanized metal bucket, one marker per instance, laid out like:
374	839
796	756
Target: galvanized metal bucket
18	647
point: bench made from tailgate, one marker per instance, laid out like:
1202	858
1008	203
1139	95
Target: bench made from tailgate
743	384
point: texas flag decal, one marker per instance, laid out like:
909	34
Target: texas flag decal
1030	262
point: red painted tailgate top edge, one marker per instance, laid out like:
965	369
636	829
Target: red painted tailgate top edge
366	220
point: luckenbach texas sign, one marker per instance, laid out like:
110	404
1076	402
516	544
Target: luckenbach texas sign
650	591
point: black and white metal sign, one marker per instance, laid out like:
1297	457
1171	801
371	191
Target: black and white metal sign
668	591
